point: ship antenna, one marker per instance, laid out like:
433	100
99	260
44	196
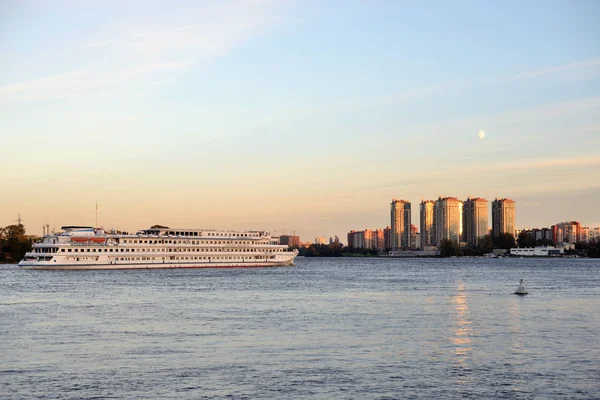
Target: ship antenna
96	226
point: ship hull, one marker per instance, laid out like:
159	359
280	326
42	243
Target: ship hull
40	266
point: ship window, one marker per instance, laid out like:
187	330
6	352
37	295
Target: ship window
63	250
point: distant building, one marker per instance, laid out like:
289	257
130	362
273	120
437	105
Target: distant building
446	218
566	232
539	234
356	239
414	231
367	239
379	239
336	239
461	224
594	234
305	244
427	224
320	240
503	217
539	251
400	224
584	235
387	238
289	240
475	220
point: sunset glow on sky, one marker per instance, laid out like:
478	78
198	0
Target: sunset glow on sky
306	116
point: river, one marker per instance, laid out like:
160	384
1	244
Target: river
352	328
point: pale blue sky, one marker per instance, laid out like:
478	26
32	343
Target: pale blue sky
296	115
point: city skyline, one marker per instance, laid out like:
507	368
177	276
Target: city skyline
295	116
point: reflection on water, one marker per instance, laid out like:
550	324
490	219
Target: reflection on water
461	330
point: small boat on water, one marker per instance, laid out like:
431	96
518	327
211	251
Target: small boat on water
521	289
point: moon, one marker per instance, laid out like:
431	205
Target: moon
481	134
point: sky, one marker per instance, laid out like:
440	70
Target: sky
295	116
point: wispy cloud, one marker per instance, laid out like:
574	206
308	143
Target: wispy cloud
136	50
81	82
591	66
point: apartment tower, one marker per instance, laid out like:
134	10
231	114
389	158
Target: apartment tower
400	227
475	220
427	226
446	217
503	217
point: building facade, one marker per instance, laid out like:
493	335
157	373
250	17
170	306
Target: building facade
290	240
503	217
367	239
379	239
474	220
566	232
400	224
427	226
387	238
446	217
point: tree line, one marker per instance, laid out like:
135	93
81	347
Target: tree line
14	243
485	245
334	250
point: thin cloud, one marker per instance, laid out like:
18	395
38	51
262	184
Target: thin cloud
141	51
593	65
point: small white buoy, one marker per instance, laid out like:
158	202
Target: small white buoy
521	289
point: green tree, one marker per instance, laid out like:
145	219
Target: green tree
526	239
311	251
593	250
14	242
14	232
485	244
505	241
449	248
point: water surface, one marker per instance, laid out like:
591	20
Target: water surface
325	328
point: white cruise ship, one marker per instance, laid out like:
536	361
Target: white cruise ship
82	247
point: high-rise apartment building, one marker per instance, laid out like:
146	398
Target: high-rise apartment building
461	224
400	226
368	242
427	226
414	231
475	220
367	239
291	241
320	240
566	232
503	217
594	234
446	218
379	239
387	238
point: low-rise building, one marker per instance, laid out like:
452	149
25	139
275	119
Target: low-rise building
539	251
